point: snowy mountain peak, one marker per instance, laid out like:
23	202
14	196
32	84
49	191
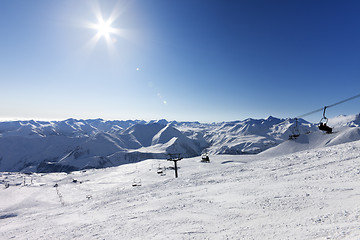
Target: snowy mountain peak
271	118
144	133
166	134
161	121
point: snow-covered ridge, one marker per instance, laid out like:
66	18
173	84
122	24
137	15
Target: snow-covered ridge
41	146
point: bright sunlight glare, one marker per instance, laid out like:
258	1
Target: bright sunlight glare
104	28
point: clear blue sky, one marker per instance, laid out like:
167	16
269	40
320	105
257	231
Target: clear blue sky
188	60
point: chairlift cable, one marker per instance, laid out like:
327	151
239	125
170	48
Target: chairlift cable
348	99
315	111
332	105
309	113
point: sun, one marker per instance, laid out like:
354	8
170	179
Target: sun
104	28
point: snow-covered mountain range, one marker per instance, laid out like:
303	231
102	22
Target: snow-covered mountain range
41	146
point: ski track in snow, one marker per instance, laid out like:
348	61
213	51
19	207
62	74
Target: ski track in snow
313	194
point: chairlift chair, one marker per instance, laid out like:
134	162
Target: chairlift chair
322	124
160	170
136	182
295	131
205	158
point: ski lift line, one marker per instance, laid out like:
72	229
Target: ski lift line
332	105
309	113
348	99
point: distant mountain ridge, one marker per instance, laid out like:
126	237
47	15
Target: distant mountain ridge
50	146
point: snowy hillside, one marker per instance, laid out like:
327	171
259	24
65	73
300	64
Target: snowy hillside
345	129
313	194
252	135
38	146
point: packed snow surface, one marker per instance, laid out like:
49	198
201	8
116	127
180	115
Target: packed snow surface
311	194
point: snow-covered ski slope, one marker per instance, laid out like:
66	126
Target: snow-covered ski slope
315	140
311	194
